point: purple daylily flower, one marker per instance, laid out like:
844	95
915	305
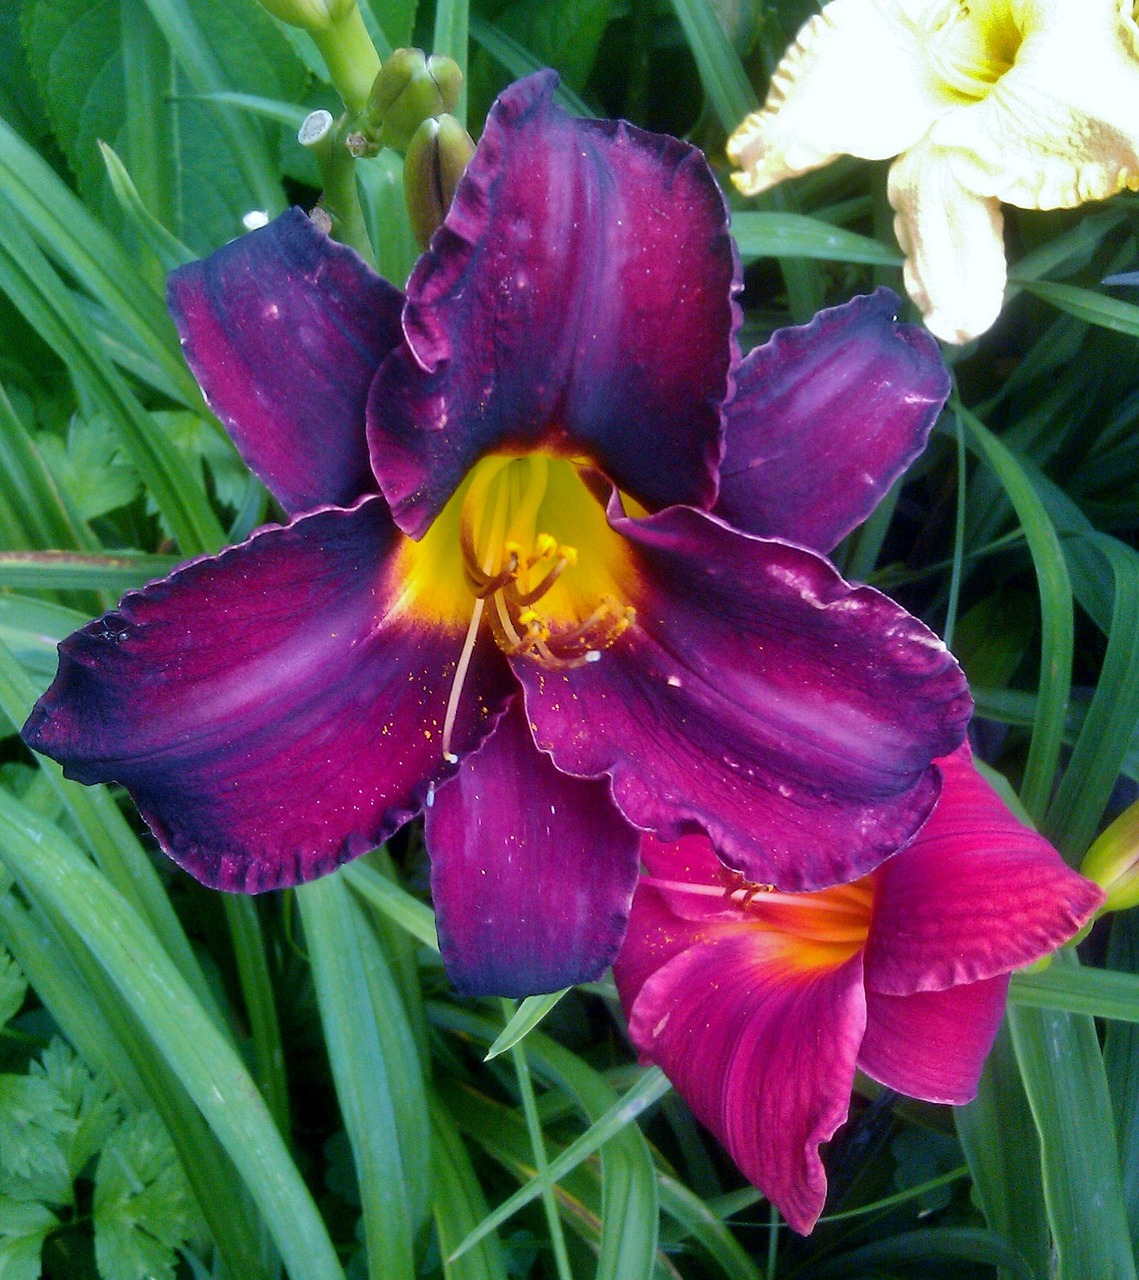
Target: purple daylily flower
518	590
759	1006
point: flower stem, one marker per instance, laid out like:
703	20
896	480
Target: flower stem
350	57
324	137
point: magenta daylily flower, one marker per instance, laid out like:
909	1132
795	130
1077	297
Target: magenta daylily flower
759	1006
510	593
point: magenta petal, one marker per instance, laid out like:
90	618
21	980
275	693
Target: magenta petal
284	329
933	1044
532	871
760	698
267	710
761	1048
825	418
577	299
975	895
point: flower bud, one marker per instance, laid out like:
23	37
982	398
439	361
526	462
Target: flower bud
436	157
409	89
309	15
1113	861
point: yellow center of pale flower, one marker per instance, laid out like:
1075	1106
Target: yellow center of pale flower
971	44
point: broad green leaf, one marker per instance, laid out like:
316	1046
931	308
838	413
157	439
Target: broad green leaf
725	82
527	1016
707	1229
66	570
452	19
396	904
166	247
338	951
1064	1078
1099	993
926	1246
1085	304
564	34
201	1058
396	19
998	1135
520	61
459	1203
629	1196
1121	1062
650	1088
1057	621
31	283
78	242
795	235
1110	724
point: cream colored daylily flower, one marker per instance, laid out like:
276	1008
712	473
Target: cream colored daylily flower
1030	102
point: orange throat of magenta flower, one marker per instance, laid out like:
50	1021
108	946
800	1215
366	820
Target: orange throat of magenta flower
524	548
814	931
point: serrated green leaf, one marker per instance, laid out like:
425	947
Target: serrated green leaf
24	1226
34	1119
143	1207
90	466
13	988
91	1101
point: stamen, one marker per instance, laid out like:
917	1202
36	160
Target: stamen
461	670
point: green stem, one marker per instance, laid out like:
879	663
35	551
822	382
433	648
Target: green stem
350	57
341	201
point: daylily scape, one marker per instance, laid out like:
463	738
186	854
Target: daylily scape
1031	102
551	573
759	1006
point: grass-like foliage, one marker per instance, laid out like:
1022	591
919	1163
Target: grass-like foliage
196	1085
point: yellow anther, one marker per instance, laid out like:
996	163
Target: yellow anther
513	551
568	554
527	616
545	545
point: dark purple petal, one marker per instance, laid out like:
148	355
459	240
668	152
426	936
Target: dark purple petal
933	1044
760	1043
285	329
761	698
825	418
532	871
273	711
976	894
578	299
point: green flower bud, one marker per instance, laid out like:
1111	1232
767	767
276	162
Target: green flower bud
1113	861
410	89
436	158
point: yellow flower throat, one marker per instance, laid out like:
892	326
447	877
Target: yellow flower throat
523	546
